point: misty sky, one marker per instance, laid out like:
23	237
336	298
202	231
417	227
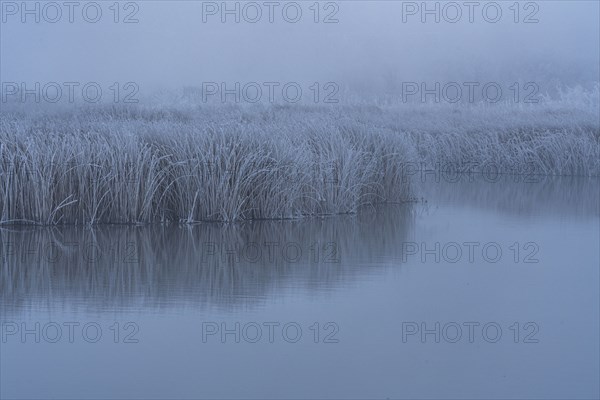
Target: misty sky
171	46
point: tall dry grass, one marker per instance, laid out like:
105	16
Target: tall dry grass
117	165
187	163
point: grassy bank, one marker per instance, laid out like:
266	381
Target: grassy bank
187	163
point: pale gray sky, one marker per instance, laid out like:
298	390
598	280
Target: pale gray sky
171	46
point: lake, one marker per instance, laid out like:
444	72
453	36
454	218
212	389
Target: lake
476	288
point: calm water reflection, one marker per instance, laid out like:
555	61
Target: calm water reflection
486	289
228	267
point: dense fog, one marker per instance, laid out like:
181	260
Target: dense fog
367	46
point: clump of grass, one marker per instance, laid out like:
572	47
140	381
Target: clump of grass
115	166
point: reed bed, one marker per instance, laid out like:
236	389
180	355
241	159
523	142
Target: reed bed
186	163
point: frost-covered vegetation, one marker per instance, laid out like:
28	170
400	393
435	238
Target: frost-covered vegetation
188	162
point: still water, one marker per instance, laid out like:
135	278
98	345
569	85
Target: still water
476	289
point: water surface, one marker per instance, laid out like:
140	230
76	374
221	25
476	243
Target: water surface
477	289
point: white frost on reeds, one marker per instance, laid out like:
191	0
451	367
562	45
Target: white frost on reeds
189	163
